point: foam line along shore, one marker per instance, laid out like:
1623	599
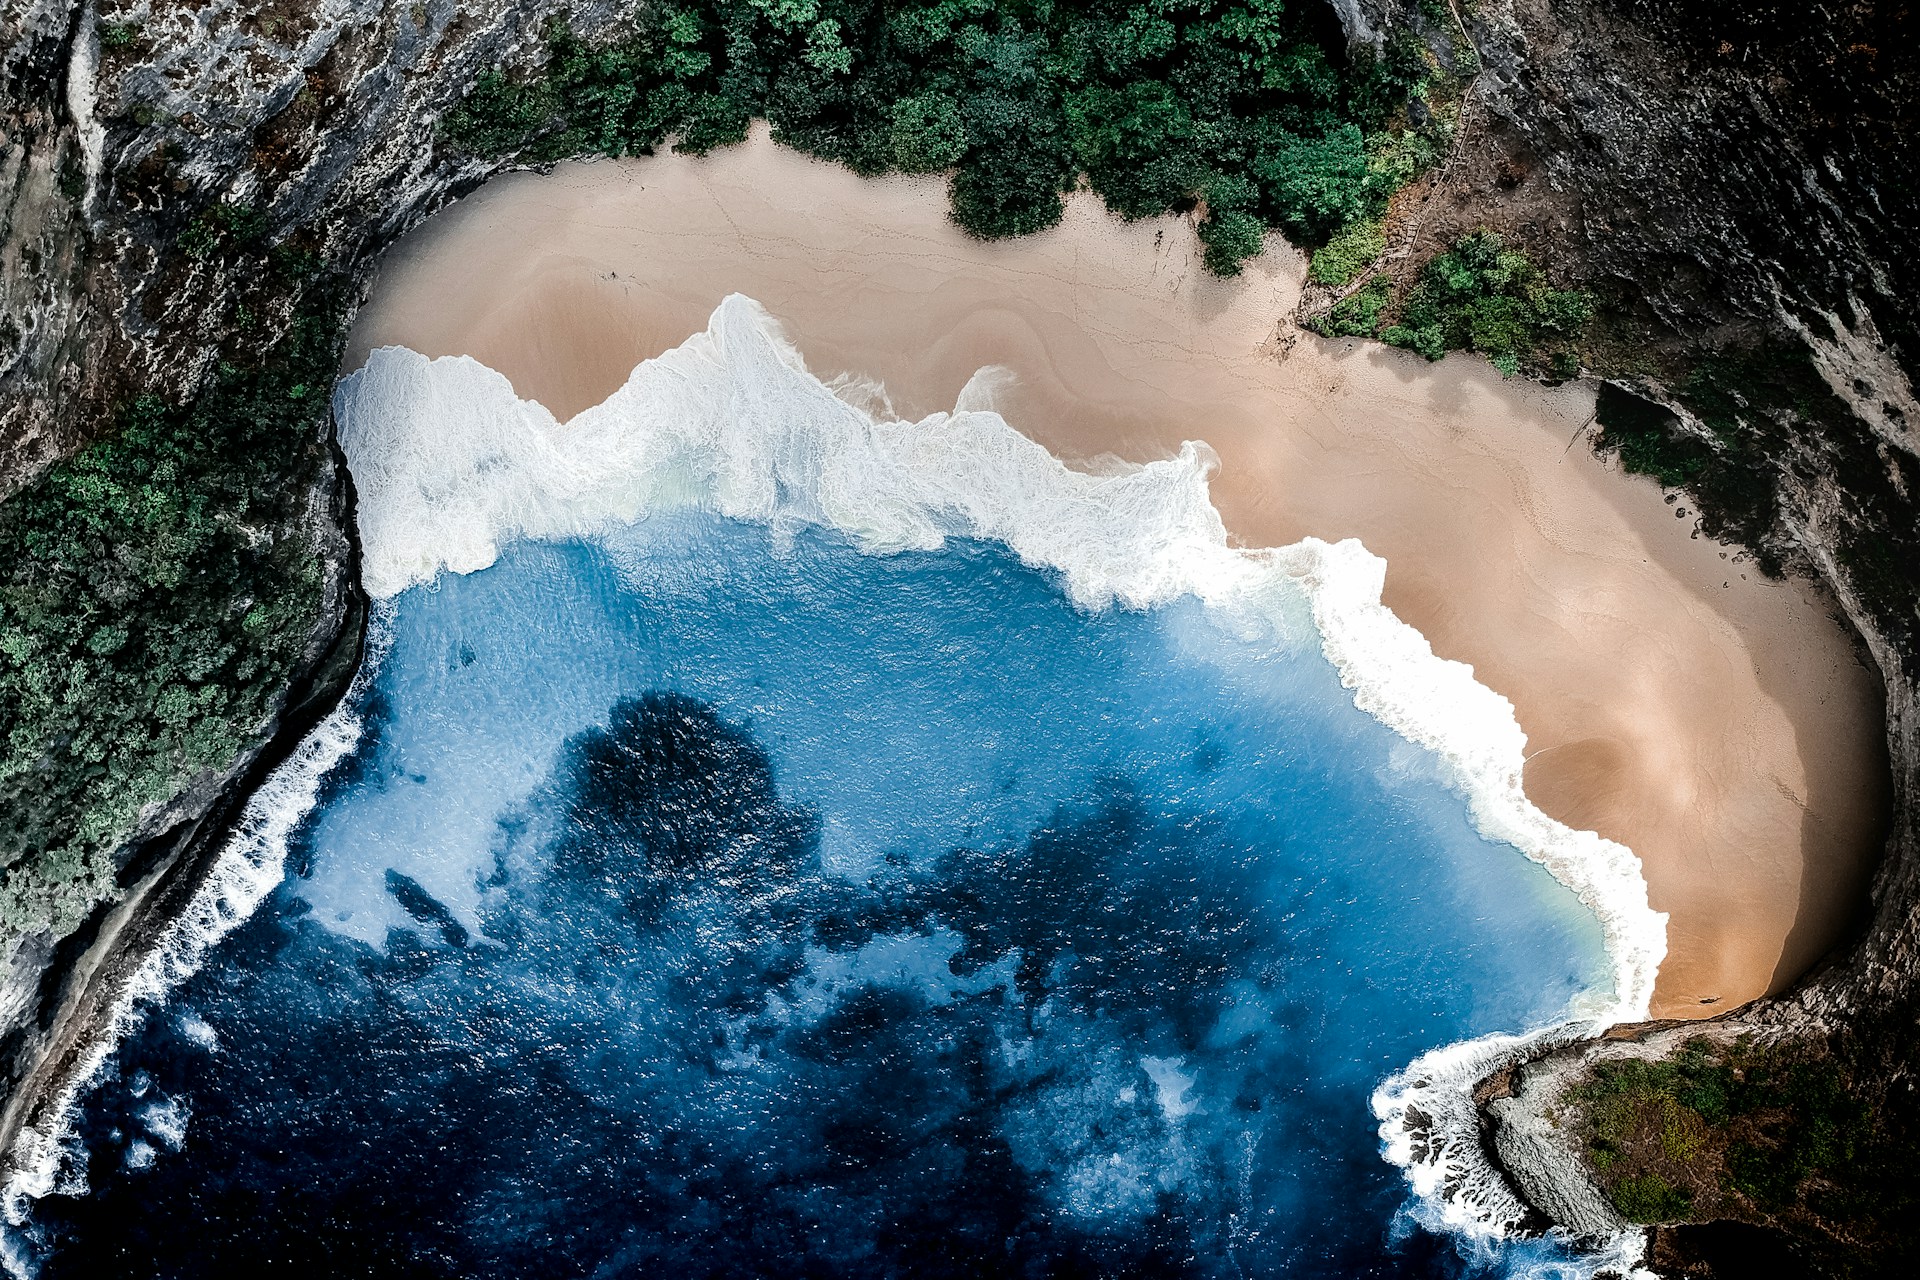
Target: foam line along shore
452	466
1675	701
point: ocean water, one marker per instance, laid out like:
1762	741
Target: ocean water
772	840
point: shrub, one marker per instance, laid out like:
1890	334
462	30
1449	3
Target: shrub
1316	185
499	116
1358	314
1135	143
927	133
1231	238
235	227
1648	1198
118	35
1350	250
1647	1124
158	592
1482	296
1648	438
1155	104
994	198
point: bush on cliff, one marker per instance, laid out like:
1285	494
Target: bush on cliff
1482	296
1161	106
1758	1133
1479	296
158	591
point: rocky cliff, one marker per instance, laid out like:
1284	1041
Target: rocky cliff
181	182
186	189
1735	183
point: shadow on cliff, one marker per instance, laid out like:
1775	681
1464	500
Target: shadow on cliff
1835	880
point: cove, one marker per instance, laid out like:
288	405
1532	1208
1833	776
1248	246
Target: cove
743	869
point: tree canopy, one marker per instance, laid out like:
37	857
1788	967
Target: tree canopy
1254	112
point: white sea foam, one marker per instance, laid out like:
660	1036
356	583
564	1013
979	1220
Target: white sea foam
450	465
166	1121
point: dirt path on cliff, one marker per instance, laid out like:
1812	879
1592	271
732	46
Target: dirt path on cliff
1716	723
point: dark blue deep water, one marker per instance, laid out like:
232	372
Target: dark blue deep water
697	905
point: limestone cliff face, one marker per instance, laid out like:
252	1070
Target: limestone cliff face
1735	182
125	132
1732	180
124	123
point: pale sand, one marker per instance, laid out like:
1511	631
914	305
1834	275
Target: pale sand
1714	722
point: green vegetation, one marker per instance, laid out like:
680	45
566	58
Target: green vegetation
1359	314
1744	1132
1752	410
1755	406
1477	296
1648	438
1252	111
1482	296
157	593
223	226
1810	1138
1352	250
1648	1198
118	35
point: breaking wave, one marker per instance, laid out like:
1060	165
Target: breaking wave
248	868
451	465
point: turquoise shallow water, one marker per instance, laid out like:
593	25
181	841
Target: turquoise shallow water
703	899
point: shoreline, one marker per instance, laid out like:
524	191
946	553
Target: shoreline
1724	733
131	950
453	466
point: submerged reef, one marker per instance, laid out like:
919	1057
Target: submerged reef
1711	209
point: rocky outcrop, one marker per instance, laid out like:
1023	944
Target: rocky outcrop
128	126
1532	1146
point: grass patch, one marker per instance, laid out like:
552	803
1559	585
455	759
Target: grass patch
1646	1198
1741	1131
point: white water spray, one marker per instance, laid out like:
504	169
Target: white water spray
451	465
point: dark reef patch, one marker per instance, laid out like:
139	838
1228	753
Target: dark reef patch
665	1054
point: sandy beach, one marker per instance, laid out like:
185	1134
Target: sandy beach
1674	700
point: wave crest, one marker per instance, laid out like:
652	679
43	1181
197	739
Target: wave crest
251	863
450	465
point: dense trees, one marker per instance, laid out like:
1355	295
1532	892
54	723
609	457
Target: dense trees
1253	111
159	590
1479	296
